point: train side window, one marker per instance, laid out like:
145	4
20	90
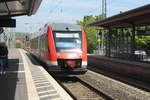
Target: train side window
46	43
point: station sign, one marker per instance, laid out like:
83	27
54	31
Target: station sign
7	22
67	35
142	32
97	35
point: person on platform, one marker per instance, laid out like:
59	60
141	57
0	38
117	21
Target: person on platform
3	57
6	55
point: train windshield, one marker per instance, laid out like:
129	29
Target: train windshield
68	41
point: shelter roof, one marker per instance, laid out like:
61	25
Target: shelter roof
136	17
10	8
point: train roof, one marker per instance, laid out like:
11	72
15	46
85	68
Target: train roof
65	27
57	27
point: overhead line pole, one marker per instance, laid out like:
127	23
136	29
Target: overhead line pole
104	14
102	6
105	8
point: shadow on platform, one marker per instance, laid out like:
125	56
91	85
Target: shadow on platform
8	81
33	59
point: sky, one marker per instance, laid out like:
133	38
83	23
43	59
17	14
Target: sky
70	11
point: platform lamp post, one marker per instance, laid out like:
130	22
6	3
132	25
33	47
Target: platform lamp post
26	37
26	40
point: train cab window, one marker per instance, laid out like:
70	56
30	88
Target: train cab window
68	41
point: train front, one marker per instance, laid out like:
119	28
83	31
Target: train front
71	48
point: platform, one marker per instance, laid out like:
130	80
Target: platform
25	80
136	70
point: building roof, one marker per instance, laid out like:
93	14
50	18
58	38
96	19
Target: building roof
10	8
136	17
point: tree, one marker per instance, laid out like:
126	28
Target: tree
143	42
90	31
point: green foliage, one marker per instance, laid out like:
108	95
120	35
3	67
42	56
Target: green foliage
90	31
143	42
18	45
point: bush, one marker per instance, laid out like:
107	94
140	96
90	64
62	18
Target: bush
18	45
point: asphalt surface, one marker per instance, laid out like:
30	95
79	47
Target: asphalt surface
13	84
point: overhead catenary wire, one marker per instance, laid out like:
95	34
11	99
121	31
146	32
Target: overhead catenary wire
56	6
104	3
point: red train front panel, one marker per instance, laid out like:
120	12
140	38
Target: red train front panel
63	48
67	49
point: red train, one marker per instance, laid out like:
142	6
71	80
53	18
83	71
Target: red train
62	47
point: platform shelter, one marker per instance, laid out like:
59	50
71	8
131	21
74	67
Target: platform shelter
122	30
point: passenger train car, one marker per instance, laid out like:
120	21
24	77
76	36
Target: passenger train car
62	47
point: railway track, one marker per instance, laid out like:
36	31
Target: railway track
81	90
113	88
95	86
135	83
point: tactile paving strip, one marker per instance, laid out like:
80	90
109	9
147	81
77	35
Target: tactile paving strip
44	88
